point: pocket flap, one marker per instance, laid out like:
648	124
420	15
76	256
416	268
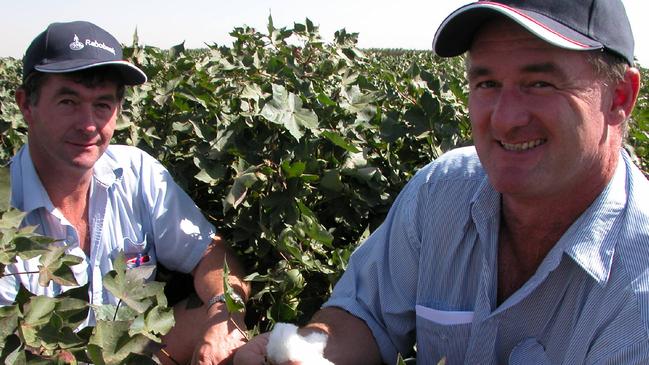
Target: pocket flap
444	317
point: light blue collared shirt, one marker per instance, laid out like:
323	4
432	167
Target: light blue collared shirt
135	207
429	275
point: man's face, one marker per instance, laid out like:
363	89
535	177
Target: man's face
71	125
540	116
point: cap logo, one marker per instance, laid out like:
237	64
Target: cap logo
100	45
76	45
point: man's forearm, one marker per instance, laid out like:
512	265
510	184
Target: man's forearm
208	274
223	331
349	341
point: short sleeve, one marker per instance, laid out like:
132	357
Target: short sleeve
180	231
380	283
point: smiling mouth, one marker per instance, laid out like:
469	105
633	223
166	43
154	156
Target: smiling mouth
522	146
84	144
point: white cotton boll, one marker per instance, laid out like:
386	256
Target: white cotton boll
286	344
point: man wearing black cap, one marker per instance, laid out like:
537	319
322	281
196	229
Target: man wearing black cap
100	199
532	247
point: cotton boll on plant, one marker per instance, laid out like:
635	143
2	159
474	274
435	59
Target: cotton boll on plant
285	344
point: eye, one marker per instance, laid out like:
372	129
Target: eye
66	102
487	84
541	84
105	106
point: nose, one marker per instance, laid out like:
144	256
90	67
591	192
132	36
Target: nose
510	110
86	119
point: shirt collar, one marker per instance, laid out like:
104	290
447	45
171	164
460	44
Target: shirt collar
27	191
107	169
485	203
591	240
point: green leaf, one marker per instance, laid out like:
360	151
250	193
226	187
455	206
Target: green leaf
153	324
94	353
110	312
177	50
129	285
339	141
40	310
331	181
55	266
312	227
17	357
5	189
234	305
285	109
252	91
239	189
12	219
9	317
72	310
56	336
356	101
136	38
30	245
325	100
210	173
159	320
295	169
113	345
392	129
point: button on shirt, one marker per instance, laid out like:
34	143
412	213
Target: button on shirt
135	208
429	275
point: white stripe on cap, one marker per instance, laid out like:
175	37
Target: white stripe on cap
84	67
538	29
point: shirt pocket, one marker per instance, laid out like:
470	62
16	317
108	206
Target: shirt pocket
442	334
529	352
138	251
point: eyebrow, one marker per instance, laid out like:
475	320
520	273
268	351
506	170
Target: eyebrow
535	68
64	90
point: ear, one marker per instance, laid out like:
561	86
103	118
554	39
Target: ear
625	95
24	105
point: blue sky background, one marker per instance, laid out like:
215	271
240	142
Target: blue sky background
381	24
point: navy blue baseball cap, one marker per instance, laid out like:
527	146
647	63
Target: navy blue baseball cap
75	46
580	25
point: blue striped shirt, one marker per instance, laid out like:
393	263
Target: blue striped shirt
429	275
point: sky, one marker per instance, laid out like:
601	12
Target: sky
409	24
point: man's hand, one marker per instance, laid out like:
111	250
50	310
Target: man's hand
254	352
223	334
350	341
203	336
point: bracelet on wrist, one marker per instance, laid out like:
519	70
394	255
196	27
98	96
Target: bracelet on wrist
220	298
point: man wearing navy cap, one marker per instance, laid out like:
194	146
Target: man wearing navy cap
532	247
100	199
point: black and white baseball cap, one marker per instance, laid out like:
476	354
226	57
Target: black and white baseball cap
579	25
75	46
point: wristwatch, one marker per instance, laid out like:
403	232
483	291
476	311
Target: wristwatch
220	298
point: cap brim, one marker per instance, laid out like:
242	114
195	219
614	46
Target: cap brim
455	35
130	73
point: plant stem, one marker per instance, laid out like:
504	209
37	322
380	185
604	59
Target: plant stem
20	273
116	310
